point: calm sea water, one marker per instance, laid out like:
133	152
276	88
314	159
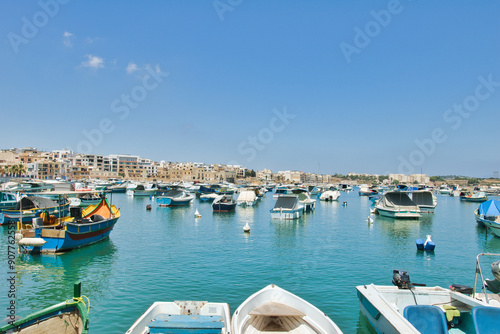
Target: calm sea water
166	254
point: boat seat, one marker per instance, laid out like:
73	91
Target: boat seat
181	324
485	319
427	319
273	309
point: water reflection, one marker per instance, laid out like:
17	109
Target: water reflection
45	279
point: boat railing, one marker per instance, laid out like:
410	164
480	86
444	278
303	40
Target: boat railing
479	273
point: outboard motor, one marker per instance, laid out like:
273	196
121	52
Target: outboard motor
401	279
494	284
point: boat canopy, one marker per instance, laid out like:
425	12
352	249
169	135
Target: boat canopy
286	202
422	198
174	193
397	198
33	202
247	195
489	208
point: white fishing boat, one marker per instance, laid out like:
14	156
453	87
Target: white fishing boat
397	204
247	198
330	196
145	190
184	317
287	207
274	310
406	308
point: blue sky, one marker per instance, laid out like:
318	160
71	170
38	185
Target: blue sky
329	86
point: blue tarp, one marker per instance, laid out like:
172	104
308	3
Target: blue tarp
490	208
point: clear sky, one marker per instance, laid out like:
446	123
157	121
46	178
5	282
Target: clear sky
323	86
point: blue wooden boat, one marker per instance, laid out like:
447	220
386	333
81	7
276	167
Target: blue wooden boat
33	206
81	229
184	317
223	203
174	198
70	317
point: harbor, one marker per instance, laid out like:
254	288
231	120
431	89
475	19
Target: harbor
166	254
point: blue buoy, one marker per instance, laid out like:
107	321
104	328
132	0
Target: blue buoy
429	244
420	244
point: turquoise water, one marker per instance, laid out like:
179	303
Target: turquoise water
166	254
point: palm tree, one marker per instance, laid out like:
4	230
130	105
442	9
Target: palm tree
21	169
14	169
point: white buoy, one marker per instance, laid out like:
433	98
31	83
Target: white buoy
197	214
246	228
369	220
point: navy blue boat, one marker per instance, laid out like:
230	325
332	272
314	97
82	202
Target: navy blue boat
224	203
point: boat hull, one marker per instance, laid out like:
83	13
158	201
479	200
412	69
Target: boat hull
167	201
75	236
286	214
401	214
223	207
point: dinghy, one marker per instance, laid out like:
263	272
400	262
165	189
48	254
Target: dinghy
184	317
274	310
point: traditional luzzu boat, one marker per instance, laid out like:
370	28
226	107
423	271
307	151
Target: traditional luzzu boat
69	317
408	308
184	317
49	235
174	198
30	207
275	310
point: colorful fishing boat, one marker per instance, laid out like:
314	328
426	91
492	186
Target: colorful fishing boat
479	196
48	234
30	207
184	317
69	317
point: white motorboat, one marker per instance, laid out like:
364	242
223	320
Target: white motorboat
330	195
305	199
425	200
397	204
414	308
287	207
184	317
275	310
